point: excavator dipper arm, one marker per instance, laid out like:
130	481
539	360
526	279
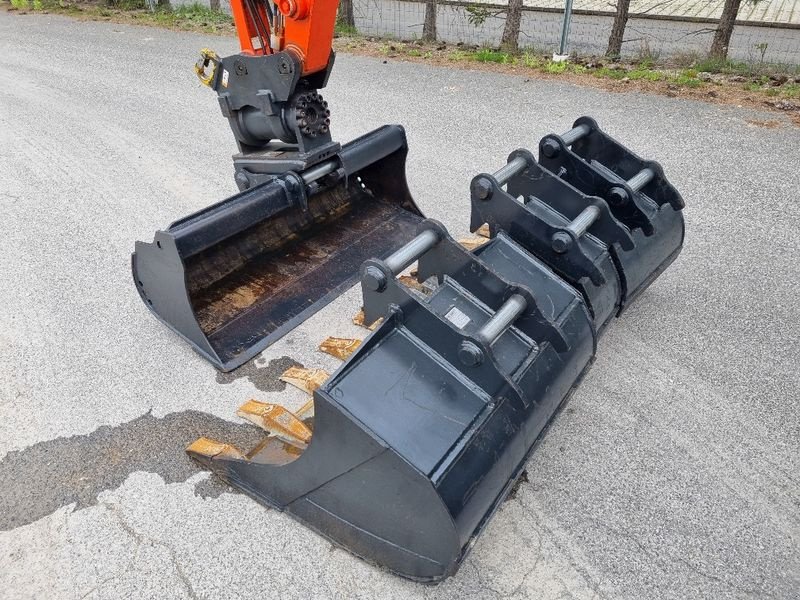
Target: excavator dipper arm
302	27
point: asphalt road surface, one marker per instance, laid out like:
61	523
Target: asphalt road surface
673	472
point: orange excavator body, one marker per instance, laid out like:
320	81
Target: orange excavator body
305	29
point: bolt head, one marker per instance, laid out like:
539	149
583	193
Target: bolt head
617	196
470	354
550	148
561	242
483	188
374	279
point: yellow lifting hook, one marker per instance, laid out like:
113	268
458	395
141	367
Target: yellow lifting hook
207	58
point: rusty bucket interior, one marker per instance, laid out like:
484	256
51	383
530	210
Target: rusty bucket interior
236	276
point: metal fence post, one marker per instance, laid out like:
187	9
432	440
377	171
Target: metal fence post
562	55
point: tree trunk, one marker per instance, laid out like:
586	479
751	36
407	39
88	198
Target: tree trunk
213	4
429	27
722	37
346	15
510	39
618	29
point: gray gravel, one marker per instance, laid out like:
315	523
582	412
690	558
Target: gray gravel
673	472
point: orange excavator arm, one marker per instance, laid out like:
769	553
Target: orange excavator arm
302	27
269	92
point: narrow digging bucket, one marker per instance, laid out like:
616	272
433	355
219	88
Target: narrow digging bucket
235	277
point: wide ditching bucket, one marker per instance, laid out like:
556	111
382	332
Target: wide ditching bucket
236	276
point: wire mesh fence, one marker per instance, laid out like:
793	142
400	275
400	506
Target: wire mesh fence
658	29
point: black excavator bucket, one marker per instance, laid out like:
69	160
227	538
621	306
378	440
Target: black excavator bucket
604	219
422	432
235	277
405	469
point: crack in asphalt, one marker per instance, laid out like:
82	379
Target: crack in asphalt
140	538
583	571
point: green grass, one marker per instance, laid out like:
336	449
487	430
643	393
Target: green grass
343	30
687	78
791	90
193	15
717	65
493	56
751	68
646	63
638	74
126	4
459	55
607	73
646	74
556	67
532	61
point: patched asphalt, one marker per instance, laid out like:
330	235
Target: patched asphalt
673	471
